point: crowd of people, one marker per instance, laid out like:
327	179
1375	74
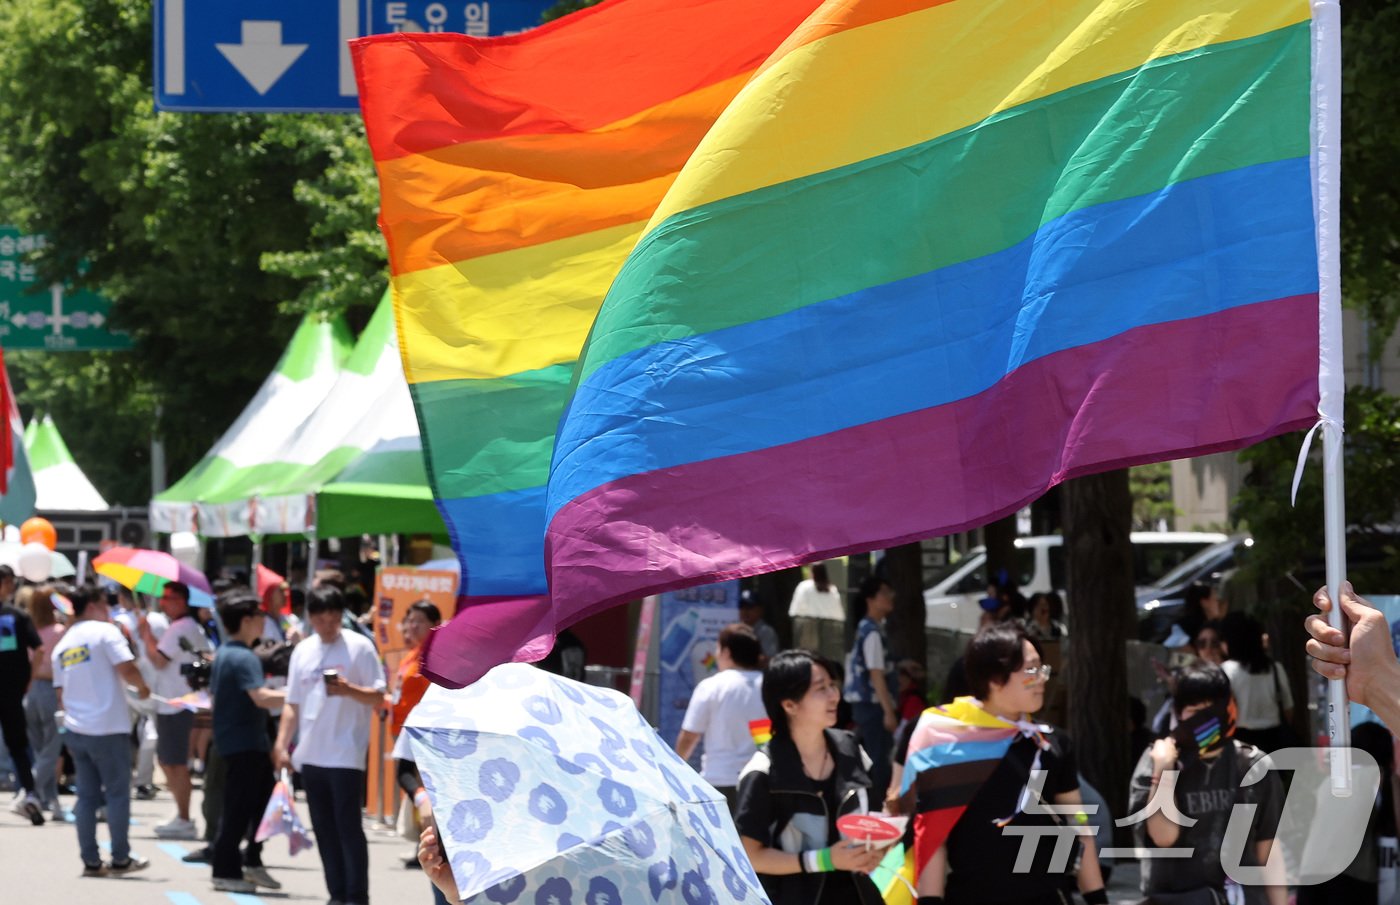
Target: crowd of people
236	692
791	739
847	737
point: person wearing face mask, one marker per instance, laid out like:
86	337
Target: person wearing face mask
1194	776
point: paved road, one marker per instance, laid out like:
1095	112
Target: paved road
44	863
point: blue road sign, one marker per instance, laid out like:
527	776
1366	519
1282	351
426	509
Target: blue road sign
271	56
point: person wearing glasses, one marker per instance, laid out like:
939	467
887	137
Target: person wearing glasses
977	775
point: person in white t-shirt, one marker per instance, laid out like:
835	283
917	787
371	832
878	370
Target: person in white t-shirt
816	609
182	643
334	683
722	709
92	665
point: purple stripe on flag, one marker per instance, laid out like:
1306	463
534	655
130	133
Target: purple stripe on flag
1165	391
486	632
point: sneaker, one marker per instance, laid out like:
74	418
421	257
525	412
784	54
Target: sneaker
27	805
145	793
131	865
228	884
59	815
176	828
258	875
199	856
94	870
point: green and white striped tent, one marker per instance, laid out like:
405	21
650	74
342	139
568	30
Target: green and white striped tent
59	483
214	498
356	465
351	464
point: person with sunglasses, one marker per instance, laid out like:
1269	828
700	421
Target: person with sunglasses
977	776
1208	644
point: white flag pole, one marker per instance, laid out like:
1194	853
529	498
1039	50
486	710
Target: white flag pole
1326	166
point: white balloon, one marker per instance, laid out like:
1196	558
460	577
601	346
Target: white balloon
35	561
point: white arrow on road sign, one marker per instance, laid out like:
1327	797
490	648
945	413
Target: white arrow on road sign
262	58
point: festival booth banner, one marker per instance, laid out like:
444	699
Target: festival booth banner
396	588
690	622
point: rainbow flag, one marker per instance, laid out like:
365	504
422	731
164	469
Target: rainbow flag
761	730
897	876
516	174
937	257
953	751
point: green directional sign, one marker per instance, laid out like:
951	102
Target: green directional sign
47	316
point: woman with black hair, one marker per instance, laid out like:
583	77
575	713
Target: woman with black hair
1202	604
976	776
1262	697
795	787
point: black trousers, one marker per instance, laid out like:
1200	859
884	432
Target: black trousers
15	728
247	787
333	796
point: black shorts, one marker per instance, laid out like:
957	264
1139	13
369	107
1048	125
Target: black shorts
173	738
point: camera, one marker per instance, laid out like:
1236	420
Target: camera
197	673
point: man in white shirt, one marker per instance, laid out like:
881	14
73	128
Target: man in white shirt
334	684
722	708
92	665
182	643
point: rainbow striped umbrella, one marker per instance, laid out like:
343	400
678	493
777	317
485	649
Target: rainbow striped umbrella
149	571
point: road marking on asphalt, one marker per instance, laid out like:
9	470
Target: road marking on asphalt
178	852
181	898
240	898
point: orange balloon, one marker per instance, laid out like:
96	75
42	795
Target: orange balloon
38	530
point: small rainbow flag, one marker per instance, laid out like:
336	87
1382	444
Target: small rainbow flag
761	730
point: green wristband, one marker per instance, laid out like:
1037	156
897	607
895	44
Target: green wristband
824	862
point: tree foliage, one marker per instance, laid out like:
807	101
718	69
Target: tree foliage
1152	495
1288	538
1370	158
564	7
207	231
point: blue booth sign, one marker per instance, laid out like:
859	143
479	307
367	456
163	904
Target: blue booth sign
271	56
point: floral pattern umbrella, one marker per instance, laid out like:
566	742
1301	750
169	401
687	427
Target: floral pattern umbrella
546	790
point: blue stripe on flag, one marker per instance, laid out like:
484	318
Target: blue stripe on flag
1192	249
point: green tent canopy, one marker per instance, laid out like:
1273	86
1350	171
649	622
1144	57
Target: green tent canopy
213	498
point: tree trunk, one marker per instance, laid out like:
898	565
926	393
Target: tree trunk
905	627
1098	513
775	590
1000	539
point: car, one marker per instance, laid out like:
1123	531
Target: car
1371	557
952	601
1159	604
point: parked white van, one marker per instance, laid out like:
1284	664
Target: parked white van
953	601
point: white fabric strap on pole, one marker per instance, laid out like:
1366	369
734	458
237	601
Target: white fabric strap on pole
1325	425
1326	173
